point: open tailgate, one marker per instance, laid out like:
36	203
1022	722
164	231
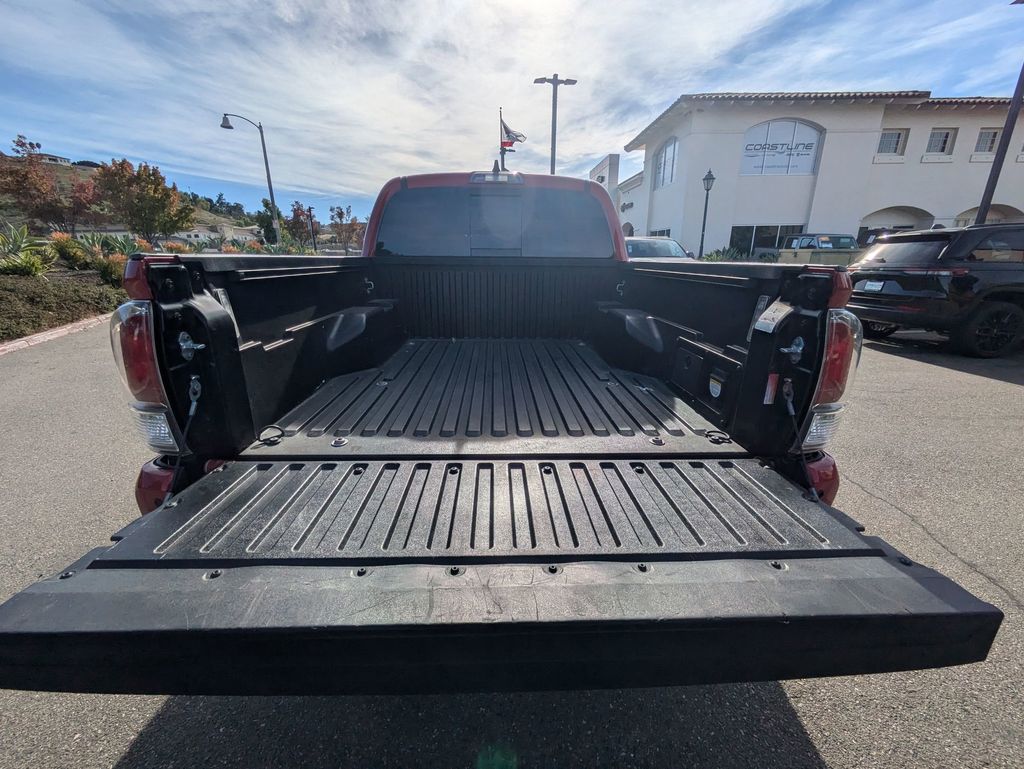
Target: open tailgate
422	576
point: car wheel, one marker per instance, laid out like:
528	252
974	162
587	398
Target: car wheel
875	330
991	331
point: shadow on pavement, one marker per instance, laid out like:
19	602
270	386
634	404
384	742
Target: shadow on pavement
934	349
741	725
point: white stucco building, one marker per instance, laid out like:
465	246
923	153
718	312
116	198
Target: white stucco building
838	162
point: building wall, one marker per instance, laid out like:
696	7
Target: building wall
852	187
944	186
606	173
633	194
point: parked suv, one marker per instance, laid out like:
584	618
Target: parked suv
967	282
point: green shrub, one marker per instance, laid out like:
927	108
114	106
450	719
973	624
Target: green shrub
22	254
27	263
173	247
120	244
15	241
726	255
111	269
92	242
70	251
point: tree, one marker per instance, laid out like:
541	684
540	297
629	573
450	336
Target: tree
297	224
265	220
50	199
142	201
83	205
32	187
348	230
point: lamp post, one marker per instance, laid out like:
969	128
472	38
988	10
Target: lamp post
225	123
709	182
312	227
1001	148
555	82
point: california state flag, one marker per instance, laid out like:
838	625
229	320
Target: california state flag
510	137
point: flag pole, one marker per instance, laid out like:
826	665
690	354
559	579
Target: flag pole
501	138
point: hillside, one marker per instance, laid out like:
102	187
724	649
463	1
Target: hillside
208	218
66	176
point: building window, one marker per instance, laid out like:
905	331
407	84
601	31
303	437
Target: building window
748	238
893	141
988	138
660	233
665	164
941	141
780	148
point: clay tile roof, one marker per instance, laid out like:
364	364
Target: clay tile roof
732	96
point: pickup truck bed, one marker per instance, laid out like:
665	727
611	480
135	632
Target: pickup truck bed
488	454
548	456
554	546
487	397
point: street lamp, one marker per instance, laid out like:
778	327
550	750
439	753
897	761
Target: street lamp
555	82
225	123
709	182
312	227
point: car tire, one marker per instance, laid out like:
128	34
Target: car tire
991	331
874	330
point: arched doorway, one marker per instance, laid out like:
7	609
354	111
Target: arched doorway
997	212
627	230
893	218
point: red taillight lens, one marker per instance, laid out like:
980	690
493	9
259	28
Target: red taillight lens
843	338
132	341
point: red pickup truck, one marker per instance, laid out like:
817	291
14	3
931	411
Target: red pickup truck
489	453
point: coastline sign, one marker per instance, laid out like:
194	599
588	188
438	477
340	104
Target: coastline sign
780	148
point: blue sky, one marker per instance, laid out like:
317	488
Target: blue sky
353	93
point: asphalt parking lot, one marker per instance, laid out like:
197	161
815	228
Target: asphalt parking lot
932	460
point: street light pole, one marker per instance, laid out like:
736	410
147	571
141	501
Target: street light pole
708	181
1001	149
555	82
225	123
312	227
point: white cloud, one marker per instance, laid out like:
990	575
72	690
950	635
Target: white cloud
352	93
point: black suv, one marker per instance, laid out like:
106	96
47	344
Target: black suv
967	282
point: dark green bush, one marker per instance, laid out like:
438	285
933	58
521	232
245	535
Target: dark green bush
29	305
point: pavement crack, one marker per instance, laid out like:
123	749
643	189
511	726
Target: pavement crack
971	565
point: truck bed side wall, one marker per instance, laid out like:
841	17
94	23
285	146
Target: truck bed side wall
303	320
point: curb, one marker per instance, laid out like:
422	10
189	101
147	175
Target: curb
53	333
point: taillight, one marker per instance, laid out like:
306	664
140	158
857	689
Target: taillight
843	338
133	342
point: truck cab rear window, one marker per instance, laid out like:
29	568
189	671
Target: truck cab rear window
494	221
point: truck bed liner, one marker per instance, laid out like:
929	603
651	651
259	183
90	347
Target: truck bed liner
364	513
490	396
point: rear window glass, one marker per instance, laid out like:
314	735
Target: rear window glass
906	252
842	241
654	248
494	220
